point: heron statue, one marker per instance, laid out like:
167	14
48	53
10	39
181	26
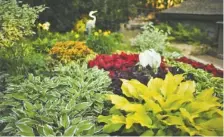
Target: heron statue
91	23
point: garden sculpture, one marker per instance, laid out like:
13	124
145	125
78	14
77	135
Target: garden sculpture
91	23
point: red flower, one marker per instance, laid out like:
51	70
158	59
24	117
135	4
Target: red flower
112	74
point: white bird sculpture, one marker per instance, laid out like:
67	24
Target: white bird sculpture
91	23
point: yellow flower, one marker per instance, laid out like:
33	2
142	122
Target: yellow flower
76	36
100	31
105	33
46	26
109	32
96	33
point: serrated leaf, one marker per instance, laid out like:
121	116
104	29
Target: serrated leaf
71	131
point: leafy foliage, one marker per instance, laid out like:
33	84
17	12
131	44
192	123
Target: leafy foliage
185	33
164	107
45	40
203	79
16	21
103	42
64	104
70	50
150	38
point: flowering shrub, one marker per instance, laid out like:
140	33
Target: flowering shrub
114	62
209	67
70	50
103	42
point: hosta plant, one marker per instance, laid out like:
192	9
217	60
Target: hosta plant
164	107
64	104
70	50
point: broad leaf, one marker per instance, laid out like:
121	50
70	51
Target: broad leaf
64	121
110	128
71	131
48	130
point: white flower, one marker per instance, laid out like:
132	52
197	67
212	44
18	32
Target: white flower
151	58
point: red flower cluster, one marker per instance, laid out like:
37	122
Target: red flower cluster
114	62
209	67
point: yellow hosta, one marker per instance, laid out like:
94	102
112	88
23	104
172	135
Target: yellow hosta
164	104
70	50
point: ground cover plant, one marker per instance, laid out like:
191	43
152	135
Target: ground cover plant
65	104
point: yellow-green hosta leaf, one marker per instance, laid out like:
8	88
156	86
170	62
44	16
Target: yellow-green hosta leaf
187	88
155	84
185	114
170	84
104	119
141	88
151	105
116	119
199	106
114	111
173	120
118	101
206	95
191	131
129	89
213	124
133	107
205	132
138	117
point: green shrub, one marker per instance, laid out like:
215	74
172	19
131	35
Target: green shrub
16	21
184	33
65	103
150	38
103	42
164	107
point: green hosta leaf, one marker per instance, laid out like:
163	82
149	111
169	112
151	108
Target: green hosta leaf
19	96
46	119
76	120
160	133
71	131
110	128
84	125
40	130
48	130
25	129
28	121
82	106
115	111
148	133
64	120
